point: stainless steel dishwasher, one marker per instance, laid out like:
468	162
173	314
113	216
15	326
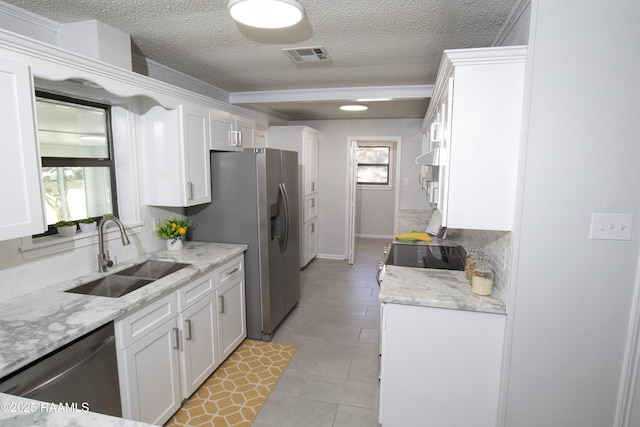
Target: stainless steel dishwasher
82	374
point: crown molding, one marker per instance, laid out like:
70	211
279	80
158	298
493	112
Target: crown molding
517	11
332	94
153	69
29	17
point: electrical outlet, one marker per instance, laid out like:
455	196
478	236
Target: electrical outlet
611	226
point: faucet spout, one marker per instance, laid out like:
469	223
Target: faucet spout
103	257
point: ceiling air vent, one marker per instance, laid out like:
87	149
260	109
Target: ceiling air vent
308	56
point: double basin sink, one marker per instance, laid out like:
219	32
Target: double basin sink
129	279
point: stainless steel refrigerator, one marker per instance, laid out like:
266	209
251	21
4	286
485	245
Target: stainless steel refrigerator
255	201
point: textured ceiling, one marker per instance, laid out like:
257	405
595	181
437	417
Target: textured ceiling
370	42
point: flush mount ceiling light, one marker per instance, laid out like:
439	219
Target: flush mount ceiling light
354	107
266	13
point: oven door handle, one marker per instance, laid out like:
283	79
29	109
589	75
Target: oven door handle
380	272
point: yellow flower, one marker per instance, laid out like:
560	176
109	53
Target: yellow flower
182	230
174	225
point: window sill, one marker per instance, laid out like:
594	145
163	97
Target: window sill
375	187
51	245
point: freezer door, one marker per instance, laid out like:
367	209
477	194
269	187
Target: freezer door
282	291
273	310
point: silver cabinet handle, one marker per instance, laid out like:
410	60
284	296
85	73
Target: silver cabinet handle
313	227
188	322
189	190
313	203
176	331
232	271
221	304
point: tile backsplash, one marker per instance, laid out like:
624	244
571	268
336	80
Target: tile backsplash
19	277
496	244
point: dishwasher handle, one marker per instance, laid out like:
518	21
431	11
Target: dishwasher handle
69	371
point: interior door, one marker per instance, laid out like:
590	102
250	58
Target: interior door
353	181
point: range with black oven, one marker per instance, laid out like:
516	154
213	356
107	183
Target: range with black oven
438	255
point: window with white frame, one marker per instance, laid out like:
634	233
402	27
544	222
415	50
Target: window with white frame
374	164
76	149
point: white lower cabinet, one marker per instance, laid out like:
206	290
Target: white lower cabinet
232	323
199	355
310	248
168	348
439	367
149	362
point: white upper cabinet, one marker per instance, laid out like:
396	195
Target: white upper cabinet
175	156
229	132
23	210
473	124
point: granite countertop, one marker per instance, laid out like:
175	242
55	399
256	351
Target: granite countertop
435	288
19	411
35	324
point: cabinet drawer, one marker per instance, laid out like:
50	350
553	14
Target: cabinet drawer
194	291
310	207
144	321
229	271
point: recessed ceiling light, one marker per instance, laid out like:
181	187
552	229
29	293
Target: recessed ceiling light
266	13
354	107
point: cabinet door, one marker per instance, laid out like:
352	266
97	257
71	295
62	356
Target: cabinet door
22	213
310	207
150	376
175	156
246	129
232	324
310	244
452	361
310	162
199	354
195	125
222	125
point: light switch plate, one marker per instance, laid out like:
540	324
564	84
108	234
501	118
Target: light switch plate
606	226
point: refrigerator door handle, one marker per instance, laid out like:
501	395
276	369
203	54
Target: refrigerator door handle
287	217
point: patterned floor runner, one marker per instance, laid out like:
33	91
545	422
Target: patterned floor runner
235	392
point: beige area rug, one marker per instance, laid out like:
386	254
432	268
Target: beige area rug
235	392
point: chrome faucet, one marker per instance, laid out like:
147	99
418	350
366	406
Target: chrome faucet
103	257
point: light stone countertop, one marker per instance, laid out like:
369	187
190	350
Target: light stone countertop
35	324
19	411
428	287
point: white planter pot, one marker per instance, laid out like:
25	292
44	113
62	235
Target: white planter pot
88	228
174	244
67	230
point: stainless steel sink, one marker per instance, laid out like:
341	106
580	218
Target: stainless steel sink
113	286
152	269
128	280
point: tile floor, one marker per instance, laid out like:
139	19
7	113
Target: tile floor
332	379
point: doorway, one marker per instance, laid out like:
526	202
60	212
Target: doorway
373	190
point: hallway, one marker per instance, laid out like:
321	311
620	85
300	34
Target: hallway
333	378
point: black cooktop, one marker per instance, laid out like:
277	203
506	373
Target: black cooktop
427	256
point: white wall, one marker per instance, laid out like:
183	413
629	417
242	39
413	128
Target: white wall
571	296
332	147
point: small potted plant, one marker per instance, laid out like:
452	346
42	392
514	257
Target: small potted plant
87	225
173	231
66	228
